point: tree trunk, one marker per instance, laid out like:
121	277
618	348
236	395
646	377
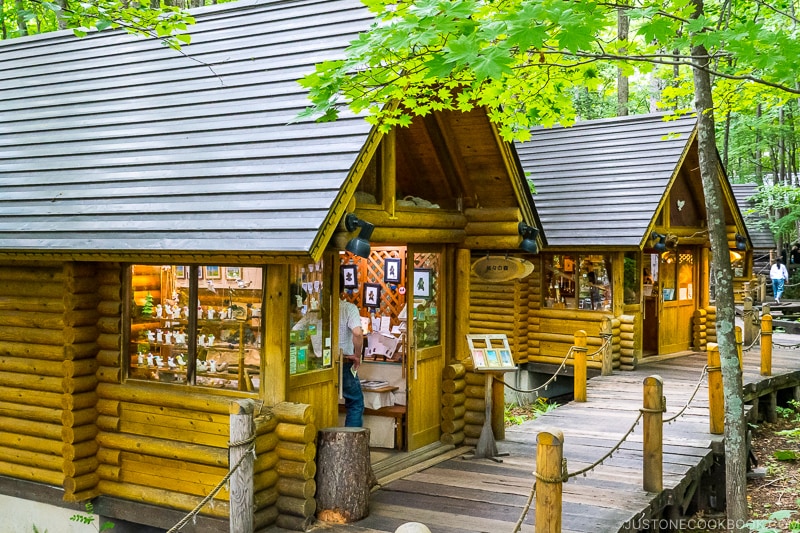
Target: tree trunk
344	475
623	88
735	446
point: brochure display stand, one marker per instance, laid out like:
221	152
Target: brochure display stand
490	355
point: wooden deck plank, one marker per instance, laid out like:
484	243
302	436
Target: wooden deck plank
480	495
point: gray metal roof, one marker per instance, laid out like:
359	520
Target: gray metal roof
118	143
599	182
760	235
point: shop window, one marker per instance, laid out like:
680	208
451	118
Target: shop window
631	278
577	281
198	325
310	319
677	276
426	299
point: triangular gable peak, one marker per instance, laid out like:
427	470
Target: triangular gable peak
450	175
682	212
604	184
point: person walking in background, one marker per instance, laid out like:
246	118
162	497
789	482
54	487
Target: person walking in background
351	343
779	276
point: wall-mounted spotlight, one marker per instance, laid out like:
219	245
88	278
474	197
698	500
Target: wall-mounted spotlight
358	245
528	234
741	242
661	245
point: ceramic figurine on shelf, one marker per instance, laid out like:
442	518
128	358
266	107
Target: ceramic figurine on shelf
140	359
168	338
149	359
180	359
222	366
159	311
171	363
159	361
159	336
201	340
211	313
210	340
201	366
185	311
151	336
212	365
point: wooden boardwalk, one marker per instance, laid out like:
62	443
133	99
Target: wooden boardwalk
480	495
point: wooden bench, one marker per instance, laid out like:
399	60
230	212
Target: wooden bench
398	412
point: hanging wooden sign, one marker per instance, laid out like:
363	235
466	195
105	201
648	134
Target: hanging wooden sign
498	268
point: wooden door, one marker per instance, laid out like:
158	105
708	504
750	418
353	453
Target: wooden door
678	282
425	361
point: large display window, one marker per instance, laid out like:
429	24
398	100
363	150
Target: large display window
196	325
577	281
310	319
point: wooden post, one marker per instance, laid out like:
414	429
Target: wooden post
762	287
748	313
766	344
579	362
716	405
608	352
549	457
241	482
737	333
344	474
653	429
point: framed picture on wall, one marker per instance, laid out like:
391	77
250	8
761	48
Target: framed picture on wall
391	270
493	358
212	272
233	273
349	276
422	283
372	295
180	272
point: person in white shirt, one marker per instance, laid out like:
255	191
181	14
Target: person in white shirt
779	276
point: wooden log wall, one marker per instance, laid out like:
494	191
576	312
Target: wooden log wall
453	398
474	402
505	308
704	328
557	329
627	341
295	468
48	344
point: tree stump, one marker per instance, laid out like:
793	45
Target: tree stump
344	474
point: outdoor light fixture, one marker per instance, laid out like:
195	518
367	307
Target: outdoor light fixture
741	242
358	245
661	245
529	234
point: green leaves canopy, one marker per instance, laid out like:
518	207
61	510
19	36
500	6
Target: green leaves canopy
523	58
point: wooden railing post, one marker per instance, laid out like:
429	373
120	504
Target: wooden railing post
737	333
750	328
549	458
716	405
606	333
766	344
241	482
579	362
653	429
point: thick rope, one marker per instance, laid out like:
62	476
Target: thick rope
756	340
546	383
685	407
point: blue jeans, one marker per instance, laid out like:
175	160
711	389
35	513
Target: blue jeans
353	398
777	287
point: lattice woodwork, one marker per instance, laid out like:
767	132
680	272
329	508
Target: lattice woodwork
370	270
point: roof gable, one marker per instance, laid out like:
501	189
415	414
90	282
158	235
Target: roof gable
116	144
601	182
759	234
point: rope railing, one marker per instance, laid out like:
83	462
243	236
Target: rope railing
789	346
756	340
566	476
250	442
550	380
